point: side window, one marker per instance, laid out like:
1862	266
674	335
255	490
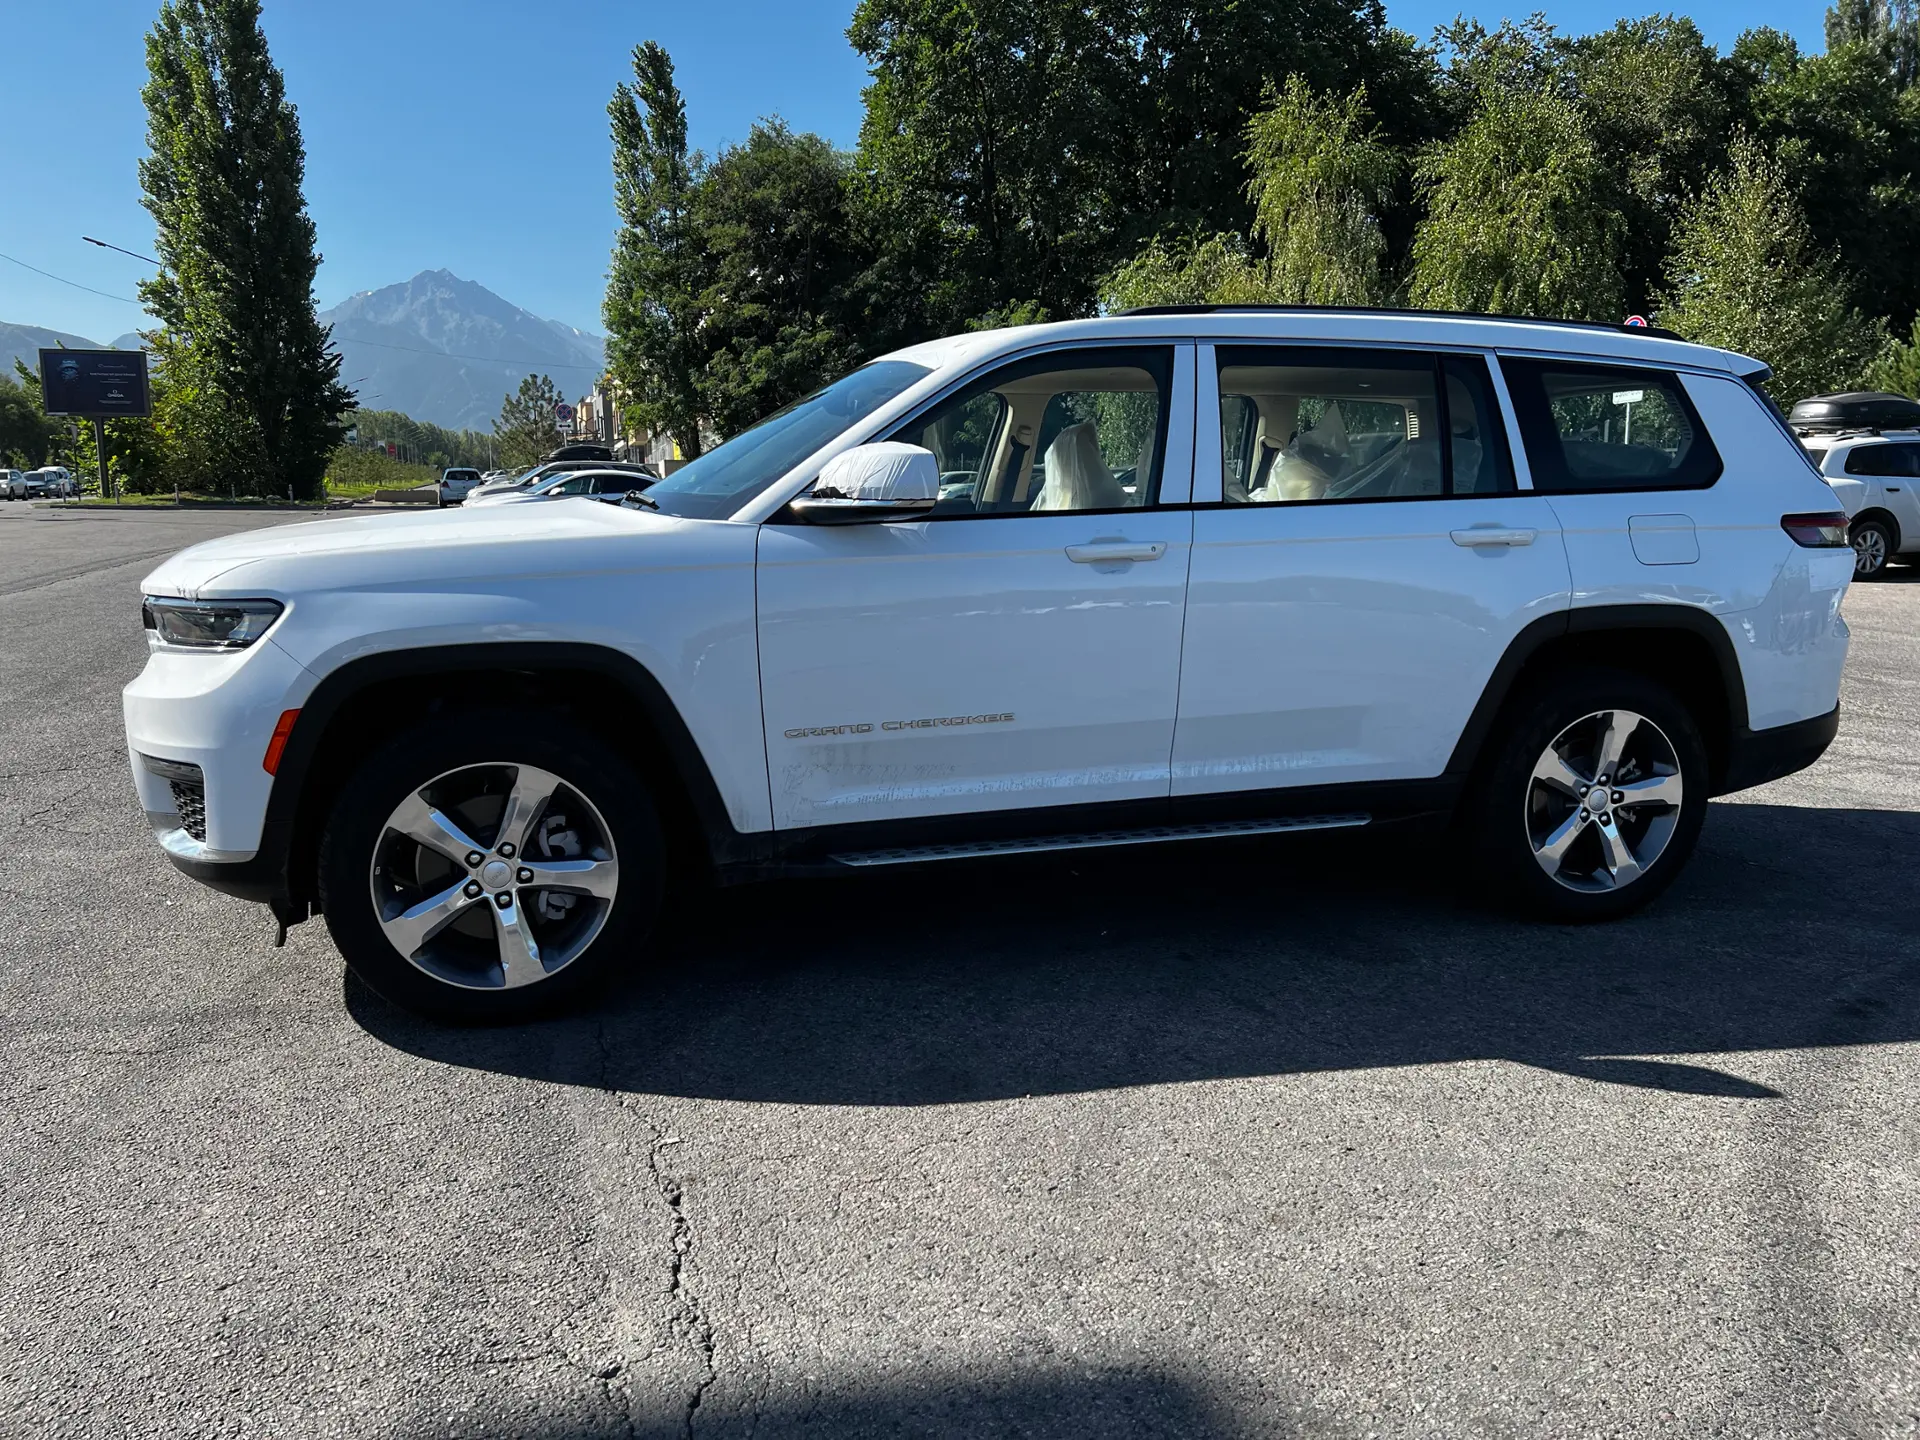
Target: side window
1609	427
1302	424
1882	459
1071	430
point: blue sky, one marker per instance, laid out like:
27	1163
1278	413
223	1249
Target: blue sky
468	135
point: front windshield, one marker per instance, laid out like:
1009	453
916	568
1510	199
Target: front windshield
724	479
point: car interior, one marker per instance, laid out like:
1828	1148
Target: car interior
1296	430
1076	438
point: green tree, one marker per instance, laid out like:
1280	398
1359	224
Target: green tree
27	436
1194	270
1891	27
1517	220
657	351
1323	176
784	311
526	429
1847	138
1747	275
223	184
1898	368
1661	106
1020	149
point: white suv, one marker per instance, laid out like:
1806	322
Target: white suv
1877	477
1168	575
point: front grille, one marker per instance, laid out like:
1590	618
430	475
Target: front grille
191	802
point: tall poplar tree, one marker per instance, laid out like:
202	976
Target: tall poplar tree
236	245
656	351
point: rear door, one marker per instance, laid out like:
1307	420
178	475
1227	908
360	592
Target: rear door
1021	647
1371	556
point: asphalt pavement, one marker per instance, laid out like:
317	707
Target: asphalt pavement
1254	1139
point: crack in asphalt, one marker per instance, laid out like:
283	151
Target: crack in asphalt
689	1318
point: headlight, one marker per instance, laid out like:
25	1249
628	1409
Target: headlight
208	624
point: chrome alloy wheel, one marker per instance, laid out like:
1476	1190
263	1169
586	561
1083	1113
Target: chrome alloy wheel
494	876
1869	550
1603	801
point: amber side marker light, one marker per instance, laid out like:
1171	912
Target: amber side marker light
278	744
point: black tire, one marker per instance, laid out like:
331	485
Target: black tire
1873	545
1510	813
459	750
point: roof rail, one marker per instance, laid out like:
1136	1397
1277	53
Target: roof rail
1855	432
1621	328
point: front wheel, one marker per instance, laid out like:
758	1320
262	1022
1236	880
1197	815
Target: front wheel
1594	798
492	868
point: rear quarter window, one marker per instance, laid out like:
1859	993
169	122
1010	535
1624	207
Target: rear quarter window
1609	427
1881	459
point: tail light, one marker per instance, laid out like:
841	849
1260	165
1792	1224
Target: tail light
1826	530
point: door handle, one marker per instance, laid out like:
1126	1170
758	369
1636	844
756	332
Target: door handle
1490	535
1102	551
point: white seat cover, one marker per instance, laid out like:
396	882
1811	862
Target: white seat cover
1077	476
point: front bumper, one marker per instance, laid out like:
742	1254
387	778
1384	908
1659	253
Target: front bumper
1757	756
214	713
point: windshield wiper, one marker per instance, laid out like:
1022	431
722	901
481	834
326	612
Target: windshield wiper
640	497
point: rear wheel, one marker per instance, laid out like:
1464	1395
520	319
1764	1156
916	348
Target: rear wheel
1595	797
1872	548
503	874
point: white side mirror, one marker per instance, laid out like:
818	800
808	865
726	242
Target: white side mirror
886	480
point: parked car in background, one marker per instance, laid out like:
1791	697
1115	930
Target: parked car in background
1854	412
611	483
1181	574
456	483
1877	477
516	479
56	480
13	484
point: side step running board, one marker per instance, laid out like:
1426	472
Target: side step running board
1093	839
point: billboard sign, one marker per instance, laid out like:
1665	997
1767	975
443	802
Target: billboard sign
96	383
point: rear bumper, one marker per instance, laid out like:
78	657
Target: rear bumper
1757	756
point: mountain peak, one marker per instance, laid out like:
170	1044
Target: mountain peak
447	350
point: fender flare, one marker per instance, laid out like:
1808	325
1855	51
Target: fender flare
1591	620
285	802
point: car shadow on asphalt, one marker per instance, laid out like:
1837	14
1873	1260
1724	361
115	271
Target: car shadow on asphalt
1793	927
942	1404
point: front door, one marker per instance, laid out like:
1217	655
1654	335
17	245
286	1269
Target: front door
1020	647
1368	565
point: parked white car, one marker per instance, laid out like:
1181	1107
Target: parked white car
1176	574
13	484
456	483
1877	477
597	482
